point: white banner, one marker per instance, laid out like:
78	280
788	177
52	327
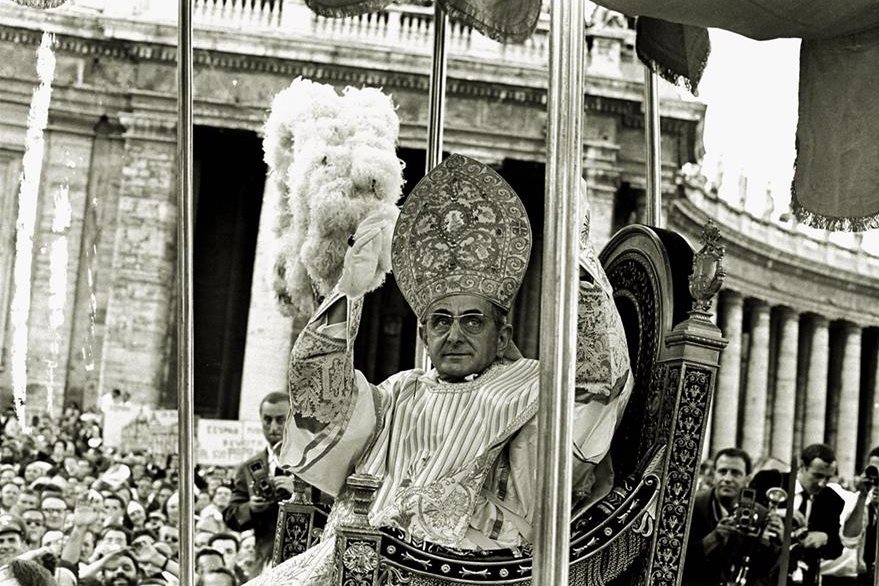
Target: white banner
227	443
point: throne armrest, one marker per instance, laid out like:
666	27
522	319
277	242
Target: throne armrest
358	544
300	523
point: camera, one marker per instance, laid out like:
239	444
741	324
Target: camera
870	477
747	519
261	485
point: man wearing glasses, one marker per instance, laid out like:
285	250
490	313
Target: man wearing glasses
454	446
54	511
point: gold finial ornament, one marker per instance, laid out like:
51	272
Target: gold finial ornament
708	273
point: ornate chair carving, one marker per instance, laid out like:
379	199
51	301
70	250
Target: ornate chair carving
637	533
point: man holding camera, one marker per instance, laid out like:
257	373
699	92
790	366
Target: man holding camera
859	530
732	538
817	511
257	489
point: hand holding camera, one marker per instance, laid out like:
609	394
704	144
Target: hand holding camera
265	489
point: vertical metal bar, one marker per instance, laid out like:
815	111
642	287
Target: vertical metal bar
652	136
437	92
184	292
436	112
558	309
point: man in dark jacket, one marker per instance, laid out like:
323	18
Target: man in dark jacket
258	488
817	511
729	538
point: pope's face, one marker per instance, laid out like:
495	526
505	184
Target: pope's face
462	336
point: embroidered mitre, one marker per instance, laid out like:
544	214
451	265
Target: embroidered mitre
462	230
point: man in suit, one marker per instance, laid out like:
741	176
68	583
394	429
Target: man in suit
250	507
718	544
817	510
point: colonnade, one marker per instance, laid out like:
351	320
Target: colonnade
789	378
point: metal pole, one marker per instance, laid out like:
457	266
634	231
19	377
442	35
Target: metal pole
558	309
184	292
652	135
436	111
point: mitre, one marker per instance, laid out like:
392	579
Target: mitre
462	230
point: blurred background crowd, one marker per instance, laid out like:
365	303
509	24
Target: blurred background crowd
93	514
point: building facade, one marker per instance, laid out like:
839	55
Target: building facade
798	310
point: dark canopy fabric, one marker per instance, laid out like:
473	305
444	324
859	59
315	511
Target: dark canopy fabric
762	19
678	51
506	21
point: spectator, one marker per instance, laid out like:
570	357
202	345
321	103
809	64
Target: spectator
718	547
120	569
170	535
9	494
227	544
155	520
172	509
54	511
250	506
245	566
143	490
114	508
218	577
113	538
26	573
135	516
211	517
34	470
817	511
12	534
28	499
35	526
860	526
207	559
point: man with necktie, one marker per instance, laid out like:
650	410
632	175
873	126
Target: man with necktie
816	527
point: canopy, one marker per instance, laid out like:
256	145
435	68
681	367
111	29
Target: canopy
836	181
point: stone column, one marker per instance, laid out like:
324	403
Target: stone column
816	383
269	332
754	425
784	406
726	401
138	354
849	396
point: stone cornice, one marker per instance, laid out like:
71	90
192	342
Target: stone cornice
761	265
603	94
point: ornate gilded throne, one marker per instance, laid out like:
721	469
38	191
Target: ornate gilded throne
637	533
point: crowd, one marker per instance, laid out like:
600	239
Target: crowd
93	515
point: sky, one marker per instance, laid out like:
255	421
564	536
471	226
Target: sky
750	89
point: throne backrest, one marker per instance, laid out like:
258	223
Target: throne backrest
648	269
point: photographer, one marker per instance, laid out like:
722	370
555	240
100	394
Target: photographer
817	509
257	489
859	530
732	539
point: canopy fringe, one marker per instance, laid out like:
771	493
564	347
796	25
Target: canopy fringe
516	33
353	9
832	223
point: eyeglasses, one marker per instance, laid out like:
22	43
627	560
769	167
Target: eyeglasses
440	323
